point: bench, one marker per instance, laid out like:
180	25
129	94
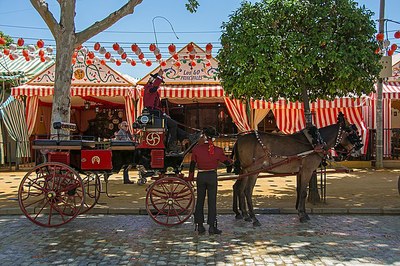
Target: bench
122	145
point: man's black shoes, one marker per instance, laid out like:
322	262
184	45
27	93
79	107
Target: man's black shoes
214	231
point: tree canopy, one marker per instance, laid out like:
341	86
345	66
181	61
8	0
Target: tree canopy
279	48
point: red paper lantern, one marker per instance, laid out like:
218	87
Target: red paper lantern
172	48
73	61
2	41
393	47
190	47
91	55
20	42
79	47
124	55
148	63
25	52
175	56
103	62
96	46
89	62
115	46
133	63
209	47
152	47
107	55
11	57
208	56
6	51
74	55
158	57
378	50
41	53
397	34
40	43
390	52
141	56
193	63
42	59
27	59
118	63
192	56
177	64
163	63
134	47
208	64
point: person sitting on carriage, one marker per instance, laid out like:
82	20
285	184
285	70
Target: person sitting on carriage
207	156
124	134
152	102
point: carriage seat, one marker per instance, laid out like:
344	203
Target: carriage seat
122	145
62	144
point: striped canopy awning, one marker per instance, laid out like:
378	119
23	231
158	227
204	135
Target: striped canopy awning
337	103
21	69
190	91
390	90
48	90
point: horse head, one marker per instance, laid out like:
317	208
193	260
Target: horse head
348	140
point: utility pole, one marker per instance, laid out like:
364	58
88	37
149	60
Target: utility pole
379	114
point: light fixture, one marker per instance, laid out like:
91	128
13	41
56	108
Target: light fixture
97	109
87	105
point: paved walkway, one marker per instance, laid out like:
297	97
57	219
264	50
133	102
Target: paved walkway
363	190
136	240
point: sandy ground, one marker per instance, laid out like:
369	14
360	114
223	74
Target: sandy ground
361	188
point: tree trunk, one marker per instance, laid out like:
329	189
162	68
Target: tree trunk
307	110
65	45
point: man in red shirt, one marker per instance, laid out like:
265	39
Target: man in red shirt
207	157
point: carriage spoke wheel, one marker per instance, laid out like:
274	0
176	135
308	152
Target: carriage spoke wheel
51	194
170	201
91	183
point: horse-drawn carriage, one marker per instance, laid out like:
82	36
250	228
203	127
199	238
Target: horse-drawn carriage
67	179
68	182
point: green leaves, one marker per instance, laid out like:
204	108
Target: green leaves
275	48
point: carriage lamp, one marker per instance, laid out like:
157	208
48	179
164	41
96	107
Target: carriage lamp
144	119
86	105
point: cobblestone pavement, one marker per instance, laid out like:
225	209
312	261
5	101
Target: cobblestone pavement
136	240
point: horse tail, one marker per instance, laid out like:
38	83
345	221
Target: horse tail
236	160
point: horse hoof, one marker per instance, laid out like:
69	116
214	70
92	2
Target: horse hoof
248	219
303	219
307	217
238	217
256	223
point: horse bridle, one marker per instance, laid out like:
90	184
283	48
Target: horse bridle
353	138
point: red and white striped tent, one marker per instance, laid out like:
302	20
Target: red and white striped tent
290	115
195	80
96	83
390	91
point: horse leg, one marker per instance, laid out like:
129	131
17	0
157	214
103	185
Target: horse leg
302	184
242	199
236	199
249	197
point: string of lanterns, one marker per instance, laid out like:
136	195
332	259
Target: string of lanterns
30	52
384	44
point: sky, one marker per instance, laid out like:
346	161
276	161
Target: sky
150	23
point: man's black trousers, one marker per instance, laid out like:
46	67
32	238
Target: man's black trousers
206	183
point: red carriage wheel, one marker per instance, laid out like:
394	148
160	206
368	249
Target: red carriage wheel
51	194
170	201
91	183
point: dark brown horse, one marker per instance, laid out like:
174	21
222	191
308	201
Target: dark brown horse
299	153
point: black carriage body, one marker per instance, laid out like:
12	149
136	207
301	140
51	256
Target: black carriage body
149	150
